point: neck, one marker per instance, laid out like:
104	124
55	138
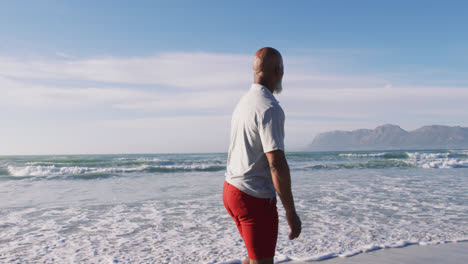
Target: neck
268	84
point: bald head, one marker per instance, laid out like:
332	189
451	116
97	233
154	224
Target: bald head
267	60
268	68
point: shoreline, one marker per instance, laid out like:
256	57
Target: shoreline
447	253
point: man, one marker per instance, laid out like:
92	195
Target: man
256	164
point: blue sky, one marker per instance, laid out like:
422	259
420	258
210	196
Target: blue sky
164	76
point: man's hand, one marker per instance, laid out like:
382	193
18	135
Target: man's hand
295	224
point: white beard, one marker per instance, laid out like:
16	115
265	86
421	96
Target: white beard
278	87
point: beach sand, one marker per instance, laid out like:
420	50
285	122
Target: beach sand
450	253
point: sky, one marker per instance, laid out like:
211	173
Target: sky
102	77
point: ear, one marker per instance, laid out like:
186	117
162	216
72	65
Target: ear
279	70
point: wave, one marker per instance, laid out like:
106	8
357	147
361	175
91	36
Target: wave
88	167
184	168
442	160
372	164
426	160
443	164
383	164
90	172
406	155
53	170
119	163
385	155
426	156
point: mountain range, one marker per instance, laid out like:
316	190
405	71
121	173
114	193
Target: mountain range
392	137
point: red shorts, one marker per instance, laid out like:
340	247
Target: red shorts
256	219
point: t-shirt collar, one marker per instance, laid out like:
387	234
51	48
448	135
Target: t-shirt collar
259	87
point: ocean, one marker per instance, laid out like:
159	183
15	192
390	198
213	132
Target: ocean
167	208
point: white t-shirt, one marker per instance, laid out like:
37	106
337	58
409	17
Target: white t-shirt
257	127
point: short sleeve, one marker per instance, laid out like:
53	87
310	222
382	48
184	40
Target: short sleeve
271	129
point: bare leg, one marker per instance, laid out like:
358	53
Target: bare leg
246	261
261	261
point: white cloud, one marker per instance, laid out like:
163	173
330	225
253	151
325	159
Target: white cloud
185	70
20	95
188	84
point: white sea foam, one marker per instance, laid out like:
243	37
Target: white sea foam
360	155
427	156
427	160
446	163
150	159
159	218
53	170
436	160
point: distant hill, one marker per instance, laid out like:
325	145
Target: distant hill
392	137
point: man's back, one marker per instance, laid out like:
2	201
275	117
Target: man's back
257	127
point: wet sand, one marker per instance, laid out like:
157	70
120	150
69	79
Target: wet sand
450	253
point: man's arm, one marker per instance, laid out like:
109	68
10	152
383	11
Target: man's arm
282	182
